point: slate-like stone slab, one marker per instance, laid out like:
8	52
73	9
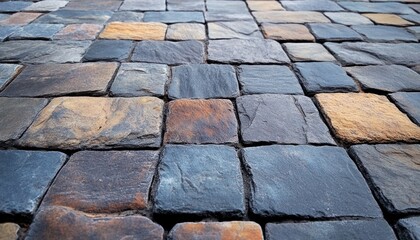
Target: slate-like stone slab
373	7
144	5
387	78
13	6
169	52
16	114
46	6
392	172
287	119
268	79
223	16
307	182
186	31
25	177
309	5
375	33
333	32
199	180
290	17
64	223
62	79
174	17
134	31
108	50
127	16
6	31
20	18
203	81
409	102
140	79
92	122
104	181
226	6
112	5
246	51
348	18
36	31
308	52
320	77
408	228
7	73
75	16
201	121
235	29
79	32
345	230
287	32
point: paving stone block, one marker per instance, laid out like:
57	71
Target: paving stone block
308	52
285	119
127	16
75	17
333	32
366	118
7	73
185	5
20	18
6	31
413	18
201	121
13	6
144	5
134	31
9	231
26	176
290	17
409	102
186	31
309	5
36	31
174	17
108	50
409	228
46	6
307	182
78	32
387	19
94	5
347	18
222	16
374	33
287	32
200	180
373	7
264	6
226	6
236	29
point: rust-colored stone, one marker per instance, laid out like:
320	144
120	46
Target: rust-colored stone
387	19
287	32
20	18
79	32
134	31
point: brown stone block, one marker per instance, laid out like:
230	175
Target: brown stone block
134	31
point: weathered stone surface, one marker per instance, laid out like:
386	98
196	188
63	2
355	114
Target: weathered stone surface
16	114
236	29
414	18
140	79
199	180
333	32
264	6
366	118
36	31
79	32
7	73
144	5
62	79
287	32
347	18
376	33
409	228
75	17
320	77
308	52
268	79
186	5
217	231
134	31
415	30
25	177
375	53
203	81
63	223
369	7
392	171
246	51
222	16
309	5
9	231
127	16
201	121
27	51
270	118
122	183
387	78
308	182
226	6
46	6
290	17
6	31
3	16
20	18
409	103
13	6
174	17
387	19
169	52
94	5
108	50
186	31
86	122
347	229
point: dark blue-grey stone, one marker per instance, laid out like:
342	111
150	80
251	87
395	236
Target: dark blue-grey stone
25	177
376	33
199	180
307	182
256	79
169	52
377	7
222	16
408	228
108	50
6	31
7	73
126	16
377	229
37	31
392	171
409	102
318	77
310	5
203	81
174	17
75	17
333	32
13	6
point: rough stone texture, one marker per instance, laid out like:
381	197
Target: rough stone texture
388	78
375	53
347	18
185	5
26	176
63	223
94	5
144	5
20	18
199	180
140	79
174	17
169	52
309	5
366	118
227	6
333	32
36	31
7	73
104	181
369	7
86	122
376	33
16	114
409	103
46	6
13	6
134	31
264	6
79	32
217	231
287	32
290	17
236	29
320	77
222	16
268	79
203	81
409	228
307	182
62	79
27	51
76	17
392	171
414	18
186	31
9	231
201	121
6	31
127	16
388	19
246	51
286	119
307	52
108	50
345	230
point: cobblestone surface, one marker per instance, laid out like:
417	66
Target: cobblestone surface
209	119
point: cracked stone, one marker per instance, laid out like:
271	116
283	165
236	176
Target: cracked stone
100	123
76	17
9	231
201	121
13	6
200	180
309	5
186	31
108	50
388	19
333	32
7	73
79	32
287	32
264	6
376	33
408	228
134	31
347	18
308	52
20	18
174	17
286	119
46	6
185	5
36	31
144	5
370	7
409	102
237	29
290	17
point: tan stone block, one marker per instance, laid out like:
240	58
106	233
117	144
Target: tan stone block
186	31
79	32
290	17
287	32
388	19
264	6
8	231
20	18
134	31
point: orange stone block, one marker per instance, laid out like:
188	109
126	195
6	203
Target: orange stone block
134	31
388	19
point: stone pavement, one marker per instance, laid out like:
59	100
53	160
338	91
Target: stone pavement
210	119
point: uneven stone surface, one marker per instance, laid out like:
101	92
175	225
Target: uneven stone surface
26	176
308	182
86	122
264	6
308	52
333	32
199	180
127	16
13	6
409	228
134	31
201	121
108	50
237	29
185	5
9	231
387	19
7	73
369	7
309	5
385	33
145	5
409	102
223	16
79	32
347	18
75	17
6	31
366	118
290	17
186	31
287	32
36	31
20	18
174	17
46	6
